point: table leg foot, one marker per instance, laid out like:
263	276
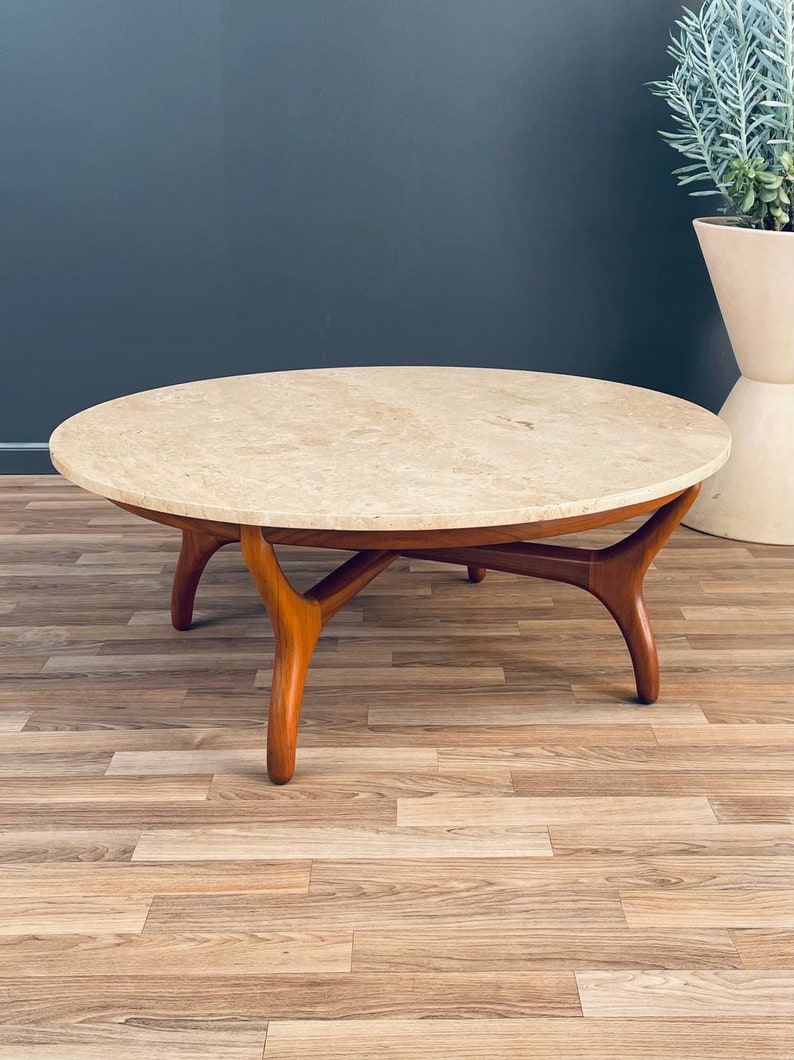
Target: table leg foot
197	550
476	574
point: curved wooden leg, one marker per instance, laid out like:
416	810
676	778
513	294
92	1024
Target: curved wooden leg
616	577
197	549
297	621
476	574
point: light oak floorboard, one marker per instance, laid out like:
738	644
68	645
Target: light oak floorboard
454	951
410	677
326	995
358	788
517	1039
725	994
754	808
13	721
80	764
247	762
640	841
163	740
618	810
367	814
708	782
495	713
771	711
592	755
764	949
51	879
541	743
256	841
173	953
724	736
728	907
104	789
29	846
73	914
418	907
22	698
679	872
171	1039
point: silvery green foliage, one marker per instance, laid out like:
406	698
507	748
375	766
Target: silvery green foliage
732	98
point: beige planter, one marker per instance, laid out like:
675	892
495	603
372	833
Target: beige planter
751	498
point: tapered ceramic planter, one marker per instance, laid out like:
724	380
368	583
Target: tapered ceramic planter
751	498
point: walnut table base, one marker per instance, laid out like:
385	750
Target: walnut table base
614	575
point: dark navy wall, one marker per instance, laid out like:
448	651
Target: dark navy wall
201	187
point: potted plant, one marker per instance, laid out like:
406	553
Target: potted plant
732	98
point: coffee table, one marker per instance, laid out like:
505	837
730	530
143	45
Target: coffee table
463	465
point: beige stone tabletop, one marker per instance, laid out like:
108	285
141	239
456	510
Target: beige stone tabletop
391	448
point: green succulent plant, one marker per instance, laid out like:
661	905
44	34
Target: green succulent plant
732	98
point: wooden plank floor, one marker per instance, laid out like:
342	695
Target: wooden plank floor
488	849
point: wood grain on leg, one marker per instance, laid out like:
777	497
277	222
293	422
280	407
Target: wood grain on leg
297	621
197	550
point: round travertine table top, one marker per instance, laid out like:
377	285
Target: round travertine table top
392	448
